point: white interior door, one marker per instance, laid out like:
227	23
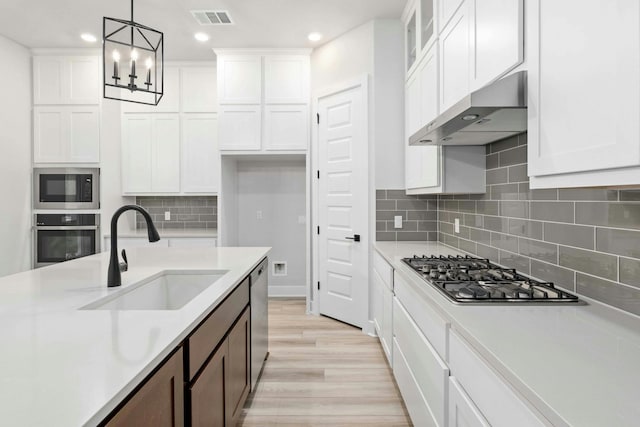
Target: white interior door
343	206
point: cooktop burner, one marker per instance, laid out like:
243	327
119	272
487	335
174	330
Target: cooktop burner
466	279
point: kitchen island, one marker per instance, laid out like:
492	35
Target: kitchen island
565	365
68	366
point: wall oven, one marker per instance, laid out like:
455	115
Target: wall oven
64	236
66	188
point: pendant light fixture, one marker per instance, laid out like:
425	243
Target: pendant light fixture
132	61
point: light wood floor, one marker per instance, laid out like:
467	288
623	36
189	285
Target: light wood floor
321	372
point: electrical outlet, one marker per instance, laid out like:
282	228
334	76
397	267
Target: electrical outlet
167	216
397	221
258	214
456	225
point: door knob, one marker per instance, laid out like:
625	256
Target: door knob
355	238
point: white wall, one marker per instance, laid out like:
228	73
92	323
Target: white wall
276	188
388	82
15	158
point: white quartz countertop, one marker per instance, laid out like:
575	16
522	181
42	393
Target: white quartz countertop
577	365
62	366
142	233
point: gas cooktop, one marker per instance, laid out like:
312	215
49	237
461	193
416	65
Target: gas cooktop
466	279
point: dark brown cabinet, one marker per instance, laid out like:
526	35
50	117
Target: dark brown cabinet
221	388
160	400
206	381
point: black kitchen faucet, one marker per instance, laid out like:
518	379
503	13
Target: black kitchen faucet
115	267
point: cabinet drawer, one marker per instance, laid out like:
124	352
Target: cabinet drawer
499	404
384	269
413	398
462	411
432	325
428	369
206	338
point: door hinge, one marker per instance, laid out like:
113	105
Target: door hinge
318	174
318	117
318	229
318	285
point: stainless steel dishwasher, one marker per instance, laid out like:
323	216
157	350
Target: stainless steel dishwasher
259	320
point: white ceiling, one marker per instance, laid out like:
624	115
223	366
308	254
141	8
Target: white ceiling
259	23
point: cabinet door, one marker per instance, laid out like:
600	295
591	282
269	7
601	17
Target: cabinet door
586	120
427	23
199	90
84	135
83	80
239	367
455	57
49	135
136	153
208	394
286	127
377	303
239	79
165	168
239	127
462	411
47	79
498	39
200	155
387	323
286	79
446	10
413	105
160	401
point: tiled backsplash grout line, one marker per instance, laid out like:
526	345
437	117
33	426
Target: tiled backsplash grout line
187	212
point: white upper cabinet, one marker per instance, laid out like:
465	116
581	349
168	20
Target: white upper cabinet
199	90
455	58
151	153
64	80
239	79
427	23
66	134
286	127
411	39
498	39
240	127
584	108
200	155
447	8
276	120
286	79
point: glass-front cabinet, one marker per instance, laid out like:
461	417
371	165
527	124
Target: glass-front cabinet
420	30
427	23
412	42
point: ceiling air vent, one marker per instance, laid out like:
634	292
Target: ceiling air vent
212	17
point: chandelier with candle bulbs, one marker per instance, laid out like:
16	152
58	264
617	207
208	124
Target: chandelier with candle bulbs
132	61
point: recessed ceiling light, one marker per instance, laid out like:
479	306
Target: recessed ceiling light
314	37
201	37
88	37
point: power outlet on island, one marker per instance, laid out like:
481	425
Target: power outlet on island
456	225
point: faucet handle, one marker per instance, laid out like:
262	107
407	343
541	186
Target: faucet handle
124	266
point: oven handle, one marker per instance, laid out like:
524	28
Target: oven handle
68	227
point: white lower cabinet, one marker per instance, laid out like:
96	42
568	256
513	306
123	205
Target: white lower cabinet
462	411
428	371
383	304
499	404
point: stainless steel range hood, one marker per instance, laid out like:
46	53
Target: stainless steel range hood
494	112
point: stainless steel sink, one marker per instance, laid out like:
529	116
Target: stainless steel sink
170	290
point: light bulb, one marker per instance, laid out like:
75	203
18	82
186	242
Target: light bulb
116	56
149	63
134	55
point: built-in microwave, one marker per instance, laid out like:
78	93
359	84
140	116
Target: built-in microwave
66	188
